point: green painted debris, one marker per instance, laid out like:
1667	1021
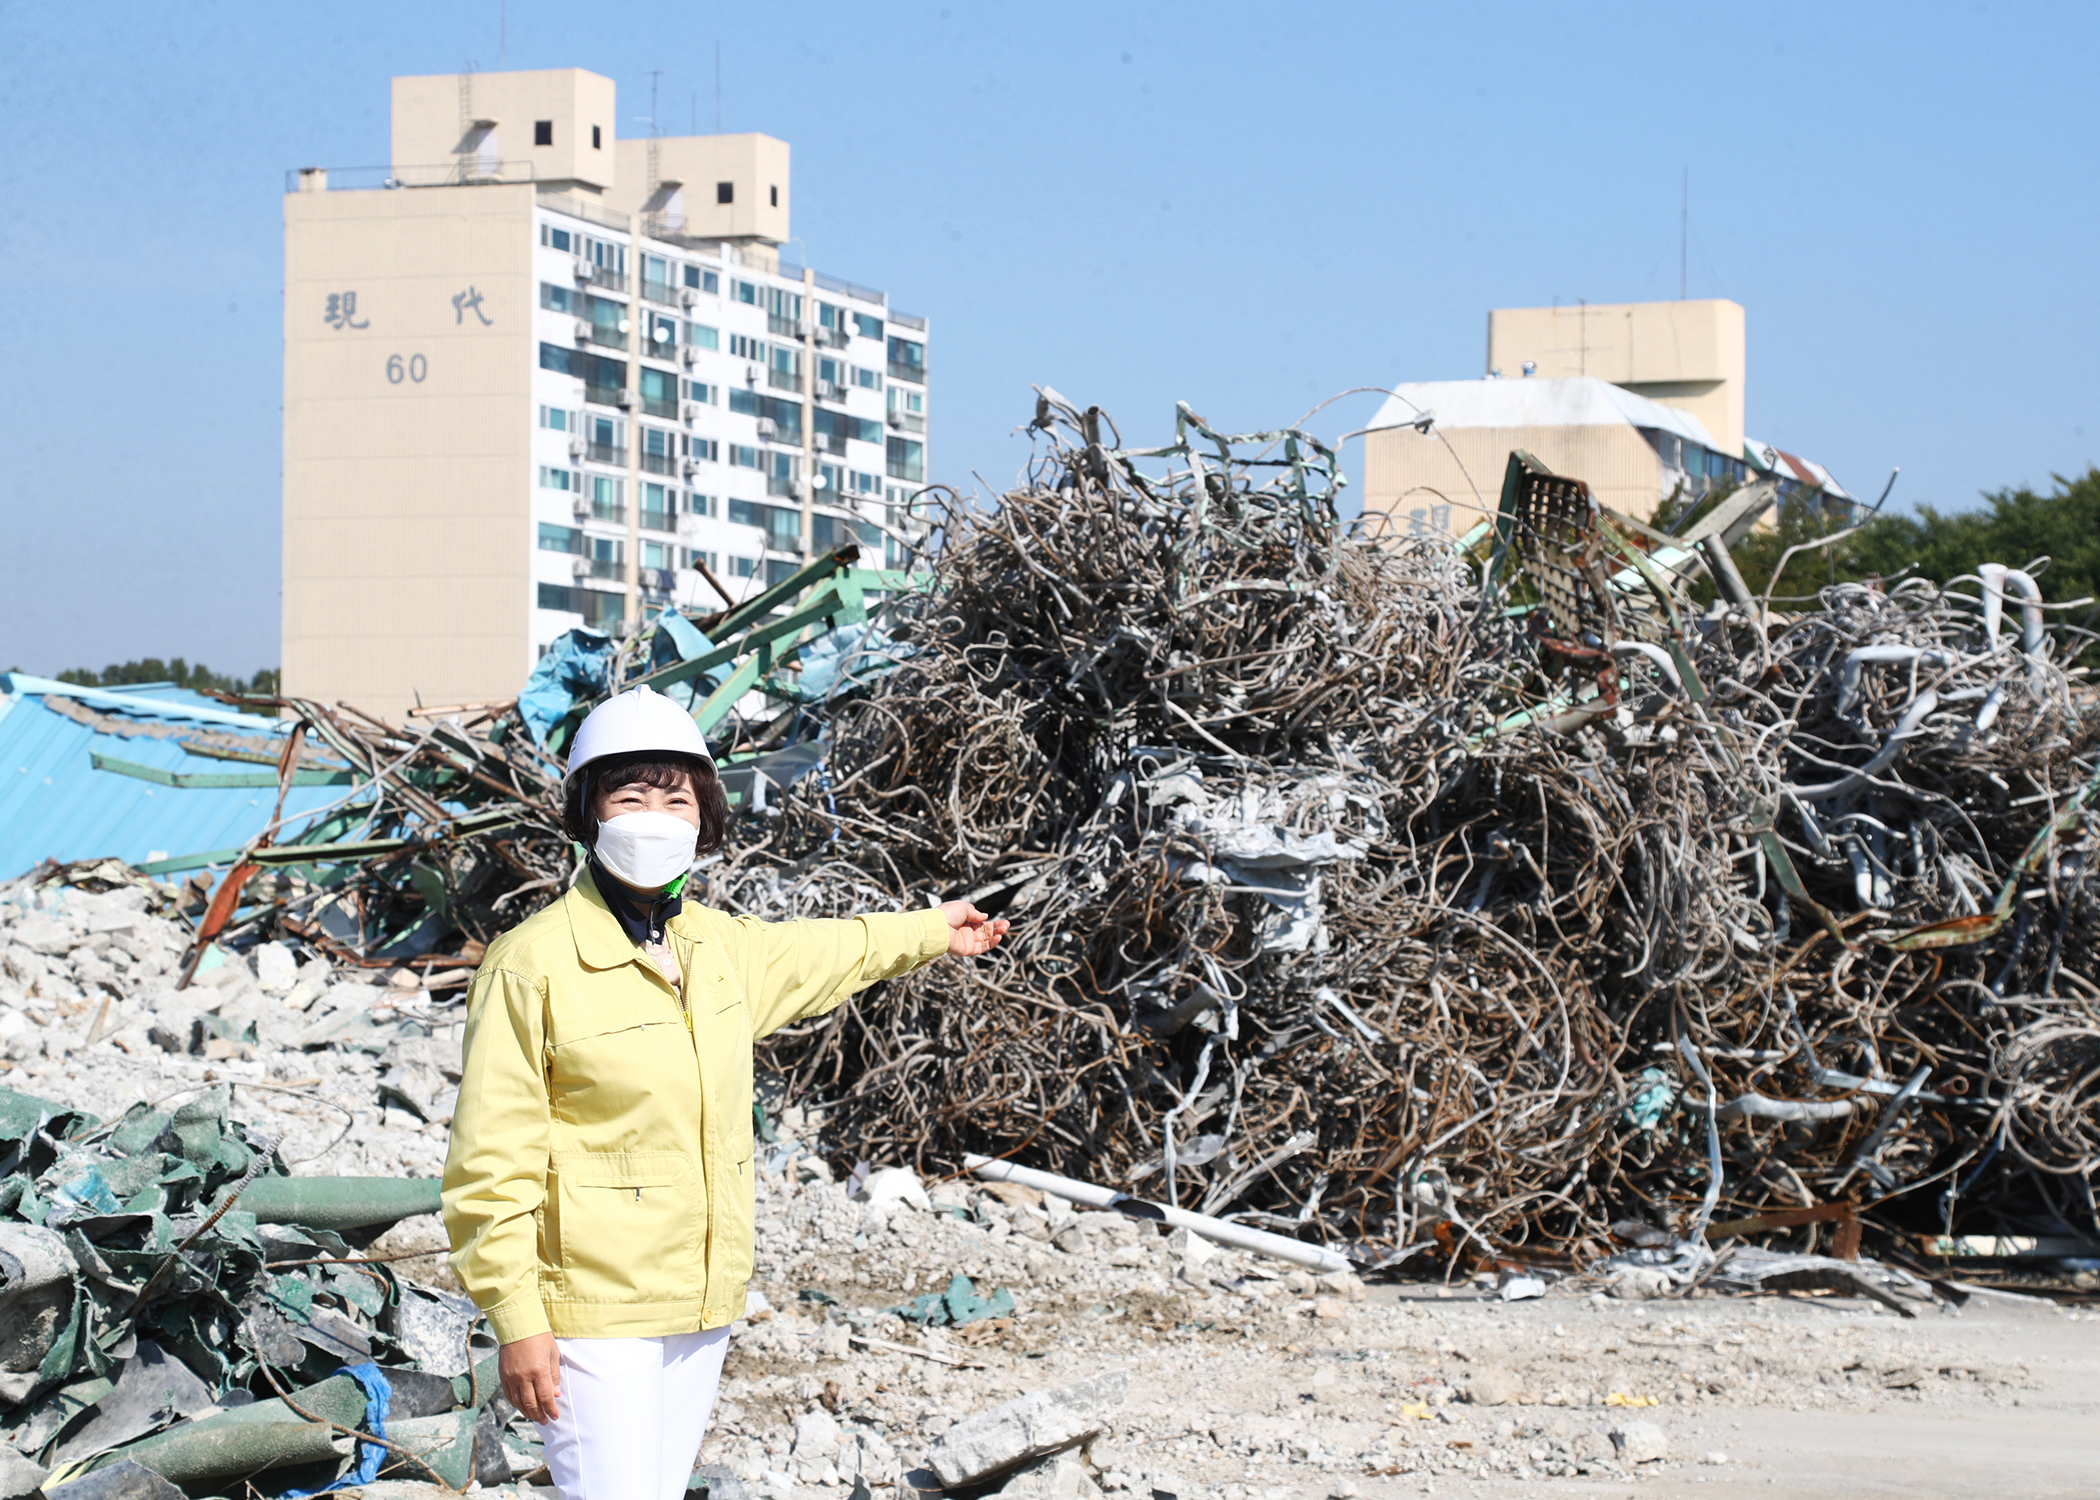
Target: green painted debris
957	1306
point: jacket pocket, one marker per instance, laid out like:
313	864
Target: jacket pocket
627	1225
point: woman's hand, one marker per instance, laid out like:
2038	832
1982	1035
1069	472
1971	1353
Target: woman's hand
970	931
530	1370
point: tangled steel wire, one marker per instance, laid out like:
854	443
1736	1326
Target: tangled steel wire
1351	894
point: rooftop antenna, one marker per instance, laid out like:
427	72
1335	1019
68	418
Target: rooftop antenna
654	75
1684	236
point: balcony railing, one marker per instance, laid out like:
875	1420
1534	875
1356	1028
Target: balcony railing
604	567
614	513
605	453
606	337
785	328
657	406
899	370
832	442
611	280
660	520
780	484
659	463
602	395
783	380
905	421
656	291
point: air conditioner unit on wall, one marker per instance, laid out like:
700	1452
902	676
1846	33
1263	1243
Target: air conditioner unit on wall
576	446
689	410
625	399
766	430
580	567
583	330
688	296
692	467
692	354
752	372
581	508
582	269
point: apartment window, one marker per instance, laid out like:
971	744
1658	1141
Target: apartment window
554	419
555	237
559	479
656	270
908	359
787	365
780	569
608	438
786	416
741	347
867	325
784	305
725	192
700	336
783	527
597	140
775	190
864	484
907	460
705	394
659	451
606	549
601	611
659	555
608	498
864	429
659	392
699	505
694	558
542	132
867	380
748	293
704	448
702	280
831	371
560	539
558	596
744	567
560	299
742	458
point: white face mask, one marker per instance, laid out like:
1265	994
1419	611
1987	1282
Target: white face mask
648	850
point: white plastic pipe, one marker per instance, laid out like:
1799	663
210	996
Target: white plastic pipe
1996	577
1237	1236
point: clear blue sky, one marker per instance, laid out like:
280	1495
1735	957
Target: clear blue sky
1246	207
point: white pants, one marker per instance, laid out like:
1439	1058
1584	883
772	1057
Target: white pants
632	1413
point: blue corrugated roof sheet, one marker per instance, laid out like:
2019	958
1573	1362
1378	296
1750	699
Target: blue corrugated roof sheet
54	804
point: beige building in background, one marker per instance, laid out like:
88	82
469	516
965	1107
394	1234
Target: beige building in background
537	377
1683	354
1642	400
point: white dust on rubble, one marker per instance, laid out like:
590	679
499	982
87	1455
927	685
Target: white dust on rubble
90	1017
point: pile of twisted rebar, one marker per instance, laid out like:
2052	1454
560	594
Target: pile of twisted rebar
1351	897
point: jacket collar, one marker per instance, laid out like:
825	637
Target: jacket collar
601	942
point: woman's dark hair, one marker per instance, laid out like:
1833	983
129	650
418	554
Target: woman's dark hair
579	815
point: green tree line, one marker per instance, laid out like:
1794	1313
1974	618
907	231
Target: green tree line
2013	526
198	679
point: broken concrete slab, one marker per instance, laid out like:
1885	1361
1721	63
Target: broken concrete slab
1028	1427
1640	1442
1061	1476
19	1475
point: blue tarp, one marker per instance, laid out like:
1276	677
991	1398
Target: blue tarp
577	666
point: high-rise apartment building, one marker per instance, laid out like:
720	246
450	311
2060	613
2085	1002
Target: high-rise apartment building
537	376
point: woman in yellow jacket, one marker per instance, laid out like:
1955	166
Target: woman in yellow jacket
598	1191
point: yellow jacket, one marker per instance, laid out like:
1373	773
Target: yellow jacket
599	1182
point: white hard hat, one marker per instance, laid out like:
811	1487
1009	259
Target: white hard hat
640	719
